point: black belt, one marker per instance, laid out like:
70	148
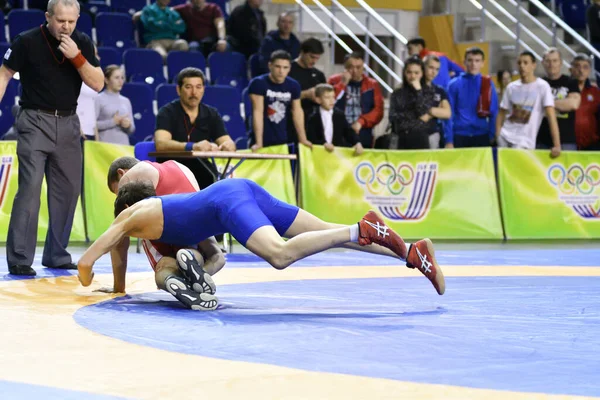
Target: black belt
56	113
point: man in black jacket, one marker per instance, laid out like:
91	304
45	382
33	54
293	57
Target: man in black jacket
247	27
328	126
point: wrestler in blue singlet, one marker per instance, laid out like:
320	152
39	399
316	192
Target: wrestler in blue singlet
237	206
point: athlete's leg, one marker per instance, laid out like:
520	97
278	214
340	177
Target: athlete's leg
266	243
164	268
306	222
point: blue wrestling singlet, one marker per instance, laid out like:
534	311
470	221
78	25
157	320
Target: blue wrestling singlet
237	206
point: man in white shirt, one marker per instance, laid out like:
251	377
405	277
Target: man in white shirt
525	102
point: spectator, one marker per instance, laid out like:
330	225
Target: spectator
187	124
410	106
113	112
162	25
440	109
304	72
504	77
247	26
474	105
566	100
525	101
593	24
280	39
205	26
274	96
329	127
448	68
588	113
359	97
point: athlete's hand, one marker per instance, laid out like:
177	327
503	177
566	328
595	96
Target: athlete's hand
108	290
255	148
555	152
68	47
85	276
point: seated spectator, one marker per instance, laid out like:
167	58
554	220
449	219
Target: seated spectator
280	39
188	124
588	113
205	26
274	96
247	26
522	108
440	108
448	68
504	77
474	105
359	97
329	127
304	72
114	116
410	105
593	24
567	98
162	25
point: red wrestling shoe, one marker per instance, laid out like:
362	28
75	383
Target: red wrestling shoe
422	257
372	229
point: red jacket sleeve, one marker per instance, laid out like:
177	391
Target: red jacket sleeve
373	117
336	82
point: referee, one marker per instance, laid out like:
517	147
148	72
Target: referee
52	60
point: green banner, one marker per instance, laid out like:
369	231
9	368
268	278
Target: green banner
9	183
443	194
275	176
99	200
548	198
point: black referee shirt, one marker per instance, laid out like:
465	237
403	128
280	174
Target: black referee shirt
48	78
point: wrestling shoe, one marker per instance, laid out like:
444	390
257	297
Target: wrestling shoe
372	229
183	292
422	257
192	269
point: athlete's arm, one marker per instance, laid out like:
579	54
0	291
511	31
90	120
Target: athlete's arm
118	256
213	256
128	221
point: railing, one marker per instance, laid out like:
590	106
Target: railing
335	21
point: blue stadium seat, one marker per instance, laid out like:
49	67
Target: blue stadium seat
140	95
223	5
37	4
165	93
108	56
178	60
255	67
177	2
228	68
144	65
84	24
115	30
573	13
130	6
22	20
141	150
8	101
224	98
95	7
3	38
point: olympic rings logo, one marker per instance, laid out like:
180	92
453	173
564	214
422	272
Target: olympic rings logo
384	177
575	178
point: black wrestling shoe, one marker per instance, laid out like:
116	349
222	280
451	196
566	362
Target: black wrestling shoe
191	299
192	269
63	266
22	270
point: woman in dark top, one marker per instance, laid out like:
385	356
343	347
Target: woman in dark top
410	109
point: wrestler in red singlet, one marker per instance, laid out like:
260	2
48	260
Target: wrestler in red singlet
171	180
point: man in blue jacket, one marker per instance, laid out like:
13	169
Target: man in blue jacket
474	105
280	39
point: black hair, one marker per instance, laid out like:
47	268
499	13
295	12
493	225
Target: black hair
190	72
418	41
475	51
280	55
312	45
132	192
530	54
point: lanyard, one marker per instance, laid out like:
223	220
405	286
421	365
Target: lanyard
190	130
50	47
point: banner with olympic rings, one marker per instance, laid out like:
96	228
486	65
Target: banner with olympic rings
549	198
443	194
9	172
